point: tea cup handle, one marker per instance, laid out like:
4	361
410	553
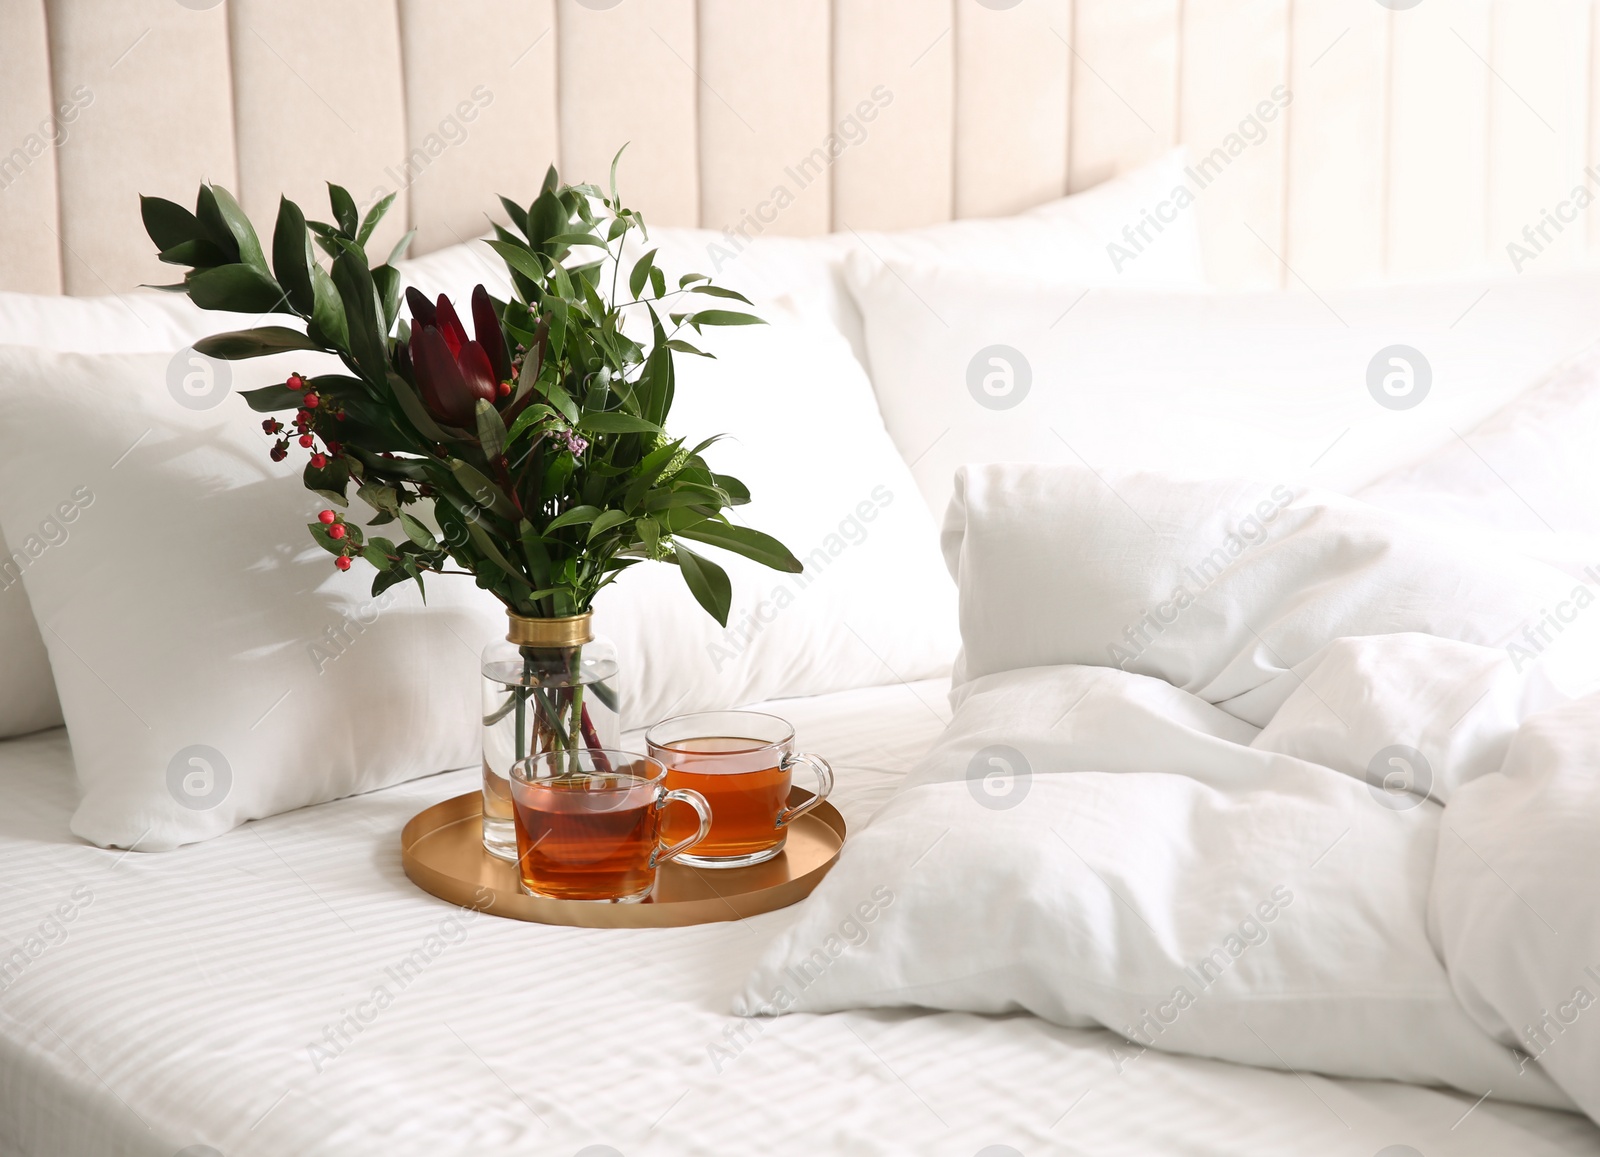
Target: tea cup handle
703	809
824	773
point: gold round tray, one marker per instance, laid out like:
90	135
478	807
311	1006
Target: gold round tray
442	851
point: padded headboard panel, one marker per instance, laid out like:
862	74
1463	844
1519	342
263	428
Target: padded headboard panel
1416	141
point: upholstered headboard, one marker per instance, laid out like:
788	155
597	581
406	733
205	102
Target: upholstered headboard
1405	137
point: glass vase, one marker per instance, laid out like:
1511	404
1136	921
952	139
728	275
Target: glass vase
548	686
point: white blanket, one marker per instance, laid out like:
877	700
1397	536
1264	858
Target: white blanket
1275	778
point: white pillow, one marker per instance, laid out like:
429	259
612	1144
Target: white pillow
1528	475
127	322
213	666
874	605
188	608
805	275
976	367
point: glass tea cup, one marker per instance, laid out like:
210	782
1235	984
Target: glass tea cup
743	763
589	824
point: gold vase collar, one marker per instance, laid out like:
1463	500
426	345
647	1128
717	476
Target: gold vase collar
567	631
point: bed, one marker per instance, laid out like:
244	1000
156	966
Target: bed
182	1004
271	982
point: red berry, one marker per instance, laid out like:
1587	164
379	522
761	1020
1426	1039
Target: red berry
336	532
319	460
327	517
312	401
279	453
505	389
307	441
342	562
272	425
335	447
295	382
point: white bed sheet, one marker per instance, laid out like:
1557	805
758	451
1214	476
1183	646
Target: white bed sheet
179	1007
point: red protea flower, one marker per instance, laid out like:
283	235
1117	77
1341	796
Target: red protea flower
453	371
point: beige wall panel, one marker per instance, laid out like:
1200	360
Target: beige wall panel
758	122
628	75
1013	81
1124	87
1234	78
481	112
1592	103
313	109
898	54
1538	132
1337	126
31	128
1438	154
161	122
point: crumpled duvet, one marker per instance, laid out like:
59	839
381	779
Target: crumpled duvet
1279	778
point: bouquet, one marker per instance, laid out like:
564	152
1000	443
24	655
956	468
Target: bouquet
531	452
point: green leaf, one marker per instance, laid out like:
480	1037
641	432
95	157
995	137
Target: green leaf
649	534
722	317
518	259
680	346
737	491
612	422
385	579
491	429
327	236
534	550
236	288
577	516
547	218
742	540
534	413
200	254
254	343
641	272
327	314
707	582
344	210
292	257
270	399
380	497
416	413
331	545
606	521
400	247
209	214
480	490
719	291
481	540
359	296
239	227
330	480
374	215
561	400
516	214
386	280
168	223
571	239
379	552
615	161
417	532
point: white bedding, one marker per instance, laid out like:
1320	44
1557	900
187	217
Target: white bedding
1260	776
179	1006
